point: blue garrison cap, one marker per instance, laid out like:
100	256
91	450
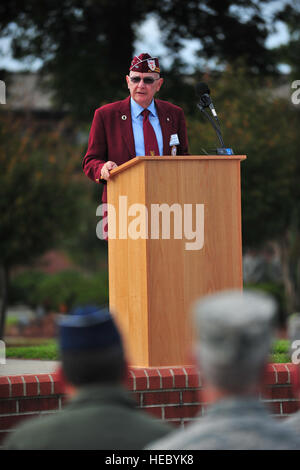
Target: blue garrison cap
89	327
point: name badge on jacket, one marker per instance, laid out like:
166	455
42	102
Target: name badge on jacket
173	142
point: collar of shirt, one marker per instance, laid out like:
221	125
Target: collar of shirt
137	109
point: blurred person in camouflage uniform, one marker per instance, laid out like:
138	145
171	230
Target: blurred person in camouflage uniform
234	334
292	423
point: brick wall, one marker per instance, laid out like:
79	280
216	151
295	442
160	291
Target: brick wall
172	394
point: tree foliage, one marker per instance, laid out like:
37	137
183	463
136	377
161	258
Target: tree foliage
38	196
289	53
264	127
86	46
256	123
223	29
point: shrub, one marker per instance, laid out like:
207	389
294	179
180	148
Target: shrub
24	287
61	291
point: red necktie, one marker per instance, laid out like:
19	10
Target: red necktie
151	145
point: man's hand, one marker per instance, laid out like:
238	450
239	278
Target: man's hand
106	169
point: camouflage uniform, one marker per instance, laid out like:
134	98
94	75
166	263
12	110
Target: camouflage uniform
292	423
234	335
232	424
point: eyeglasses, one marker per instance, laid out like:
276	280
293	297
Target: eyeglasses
146	80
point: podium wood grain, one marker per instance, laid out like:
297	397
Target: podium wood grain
153	283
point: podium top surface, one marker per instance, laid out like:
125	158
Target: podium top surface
137	160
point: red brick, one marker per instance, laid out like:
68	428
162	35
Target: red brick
283	376
38	404
4	387
180	377
166	377
270	376
181	411
45	385
154	378
278	393
57	384
31	385
140	379
161	398
17	386
191	396
292	368
193	376
8	406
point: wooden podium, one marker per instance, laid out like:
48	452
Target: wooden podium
155	278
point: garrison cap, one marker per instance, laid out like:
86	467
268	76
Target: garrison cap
144	63
88	327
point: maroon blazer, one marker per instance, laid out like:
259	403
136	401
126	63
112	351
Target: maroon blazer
111	135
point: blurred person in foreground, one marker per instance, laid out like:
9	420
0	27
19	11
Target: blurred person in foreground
100	414
292	423
233	338
139	125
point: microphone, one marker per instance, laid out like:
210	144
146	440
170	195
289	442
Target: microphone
203	92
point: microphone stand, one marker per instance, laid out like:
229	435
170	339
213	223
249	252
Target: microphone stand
220	150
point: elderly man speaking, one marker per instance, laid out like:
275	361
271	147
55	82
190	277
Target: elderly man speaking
139	125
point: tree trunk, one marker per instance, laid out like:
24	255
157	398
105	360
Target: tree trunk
4	282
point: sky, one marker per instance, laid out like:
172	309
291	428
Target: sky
145	43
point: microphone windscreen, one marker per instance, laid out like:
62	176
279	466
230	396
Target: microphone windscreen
201	89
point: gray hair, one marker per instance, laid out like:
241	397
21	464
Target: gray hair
234	335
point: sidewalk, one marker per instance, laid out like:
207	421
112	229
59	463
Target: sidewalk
26	366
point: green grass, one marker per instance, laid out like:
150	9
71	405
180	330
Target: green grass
280	351
45	351
11	320
48	350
